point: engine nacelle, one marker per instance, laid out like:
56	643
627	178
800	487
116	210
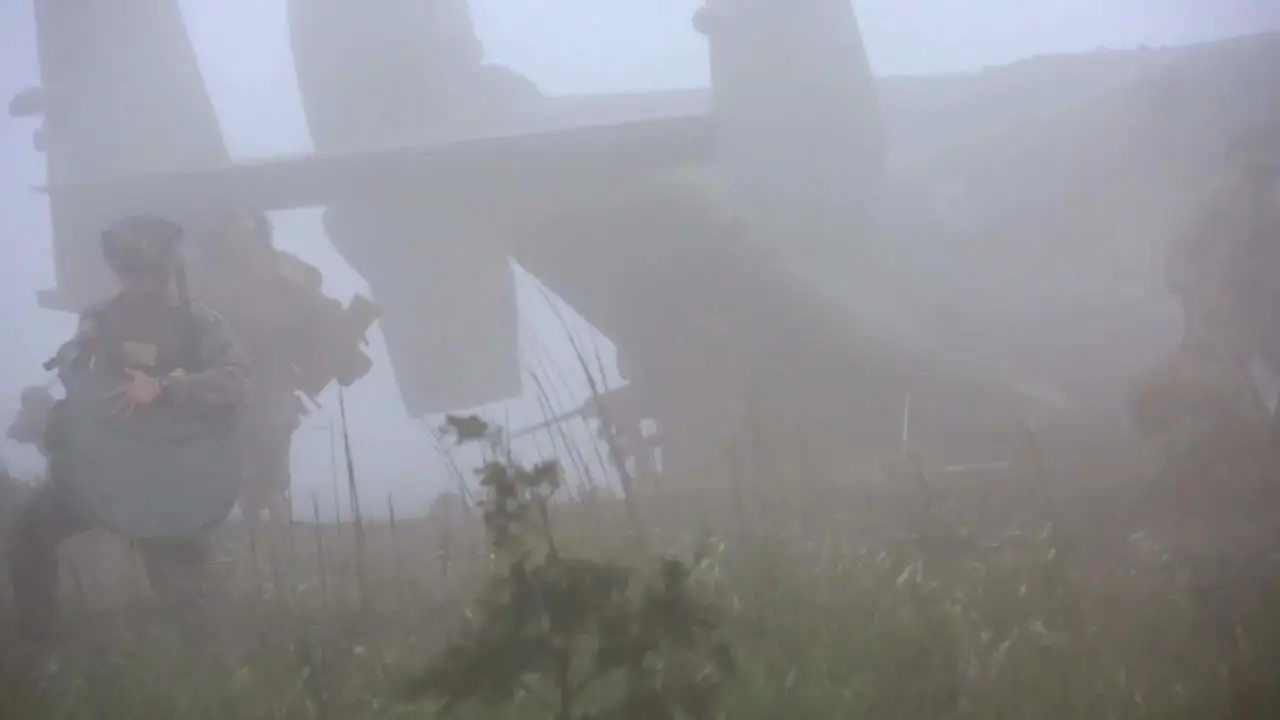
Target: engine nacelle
798	129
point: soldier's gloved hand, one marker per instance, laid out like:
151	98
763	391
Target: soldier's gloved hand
142	390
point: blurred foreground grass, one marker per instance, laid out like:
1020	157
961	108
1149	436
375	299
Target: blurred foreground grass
990	598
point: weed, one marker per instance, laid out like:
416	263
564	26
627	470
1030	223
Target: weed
581	637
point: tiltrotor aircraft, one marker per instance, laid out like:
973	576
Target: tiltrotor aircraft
798	237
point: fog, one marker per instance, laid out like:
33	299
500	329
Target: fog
921	327
574	47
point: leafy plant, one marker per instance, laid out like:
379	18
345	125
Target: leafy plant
581	638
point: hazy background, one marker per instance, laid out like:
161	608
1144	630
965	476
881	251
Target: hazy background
570	46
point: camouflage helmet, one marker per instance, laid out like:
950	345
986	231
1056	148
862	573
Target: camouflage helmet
141	241
226	230
253	224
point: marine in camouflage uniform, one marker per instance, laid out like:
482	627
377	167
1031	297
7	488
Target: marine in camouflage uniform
276	307
1222	272
1206	406
1201	401
143	335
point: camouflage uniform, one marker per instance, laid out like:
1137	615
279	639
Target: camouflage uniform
1206	406
11	492
230	275
111	333
274	303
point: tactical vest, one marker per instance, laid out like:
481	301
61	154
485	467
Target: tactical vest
163	472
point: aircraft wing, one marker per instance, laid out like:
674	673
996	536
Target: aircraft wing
509	157
587	144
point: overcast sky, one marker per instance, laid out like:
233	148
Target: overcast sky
567	46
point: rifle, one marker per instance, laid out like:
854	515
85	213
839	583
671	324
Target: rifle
66	353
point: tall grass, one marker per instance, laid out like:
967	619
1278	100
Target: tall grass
989	597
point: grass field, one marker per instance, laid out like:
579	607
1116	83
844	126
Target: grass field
1026	595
